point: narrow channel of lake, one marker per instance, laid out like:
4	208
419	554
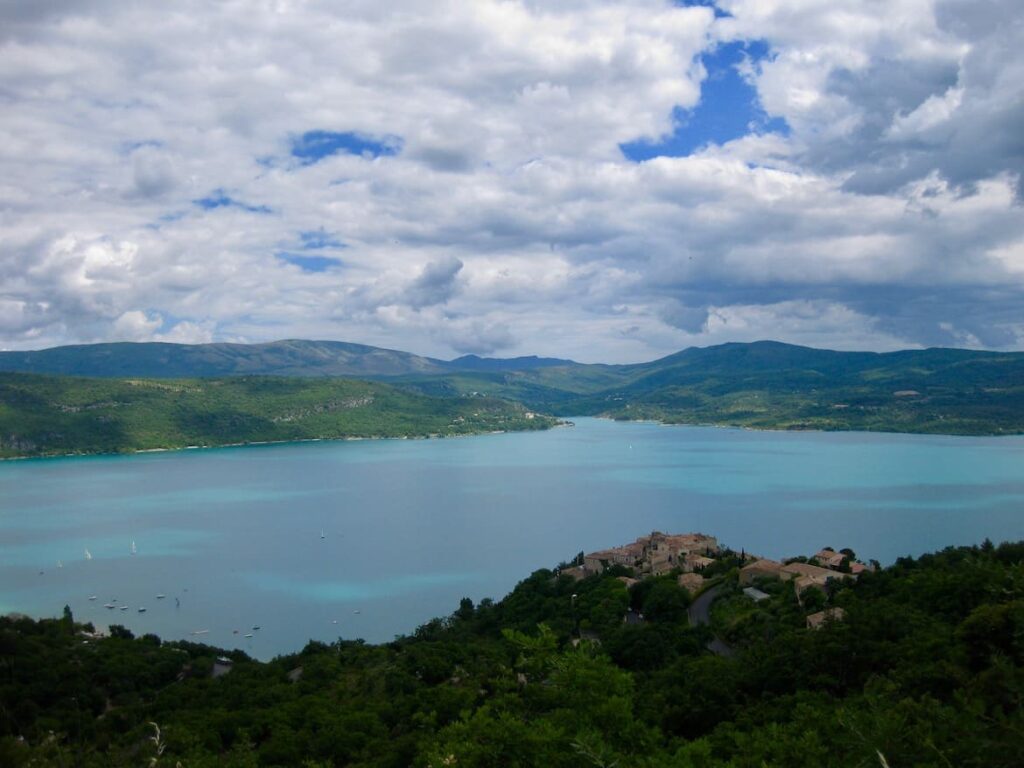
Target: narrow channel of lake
372	538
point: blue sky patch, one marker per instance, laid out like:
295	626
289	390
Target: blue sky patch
221	199
719	13
728	108
313	146
309	263
167	218
319	238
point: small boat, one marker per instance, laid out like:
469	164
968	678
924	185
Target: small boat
256	628
123	608
200	631
92	597
110	606
60	564
234	631
248	634
142	610
133	550
160	597
356	611
88	554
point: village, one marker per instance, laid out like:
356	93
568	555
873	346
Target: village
692	555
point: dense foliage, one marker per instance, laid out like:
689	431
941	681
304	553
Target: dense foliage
926	669
45	415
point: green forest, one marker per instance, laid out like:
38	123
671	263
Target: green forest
925	668
44	415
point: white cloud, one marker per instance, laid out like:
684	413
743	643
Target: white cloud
136	325
509	222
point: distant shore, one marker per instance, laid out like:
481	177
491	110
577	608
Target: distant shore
822	429
254	443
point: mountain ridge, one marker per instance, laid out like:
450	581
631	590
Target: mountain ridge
763	384
325	357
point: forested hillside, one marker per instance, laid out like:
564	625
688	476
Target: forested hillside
765	385
47	415
926	668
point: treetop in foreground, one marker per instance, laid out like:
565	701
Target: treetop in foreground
920	663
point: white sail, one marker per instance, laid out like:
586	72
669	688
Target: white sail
133	546
88	554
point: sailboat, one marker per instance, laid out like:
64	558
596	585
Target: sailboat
133	547
60	563
321	533
88	554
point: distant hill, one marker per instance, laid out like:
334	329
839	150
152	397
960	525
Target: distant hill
278	358
773	385
291	357
763	384
529	363
778	386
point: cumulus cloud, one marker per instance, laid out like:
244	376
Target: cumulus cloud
888	98
458	168
136	325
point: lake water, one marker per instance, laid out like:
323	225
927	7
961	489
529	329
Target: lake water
232	536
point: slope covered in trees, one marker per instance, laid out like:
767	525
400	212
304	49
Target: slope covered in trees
46	415
925	669
763	384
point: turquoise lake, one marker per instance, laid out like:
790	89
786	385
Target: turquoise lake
232	536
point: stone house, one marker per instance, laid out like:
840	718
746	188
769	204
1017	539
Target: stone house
829	558
763	569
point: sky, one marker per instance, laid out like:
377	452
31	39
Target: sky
605	181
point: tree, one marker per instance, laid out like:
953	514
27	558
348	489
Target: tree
121	632
666	602
466	609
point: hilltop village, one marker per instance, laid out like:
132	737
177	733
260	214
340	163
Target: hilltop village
696	558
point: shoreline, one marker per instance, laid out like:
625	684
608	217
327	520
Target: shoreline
819	430
254	443
561	422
